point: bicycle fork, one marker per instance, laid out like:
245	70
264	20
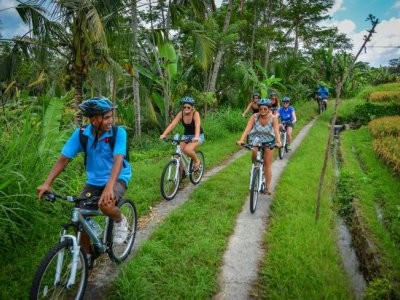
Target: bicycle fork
75	260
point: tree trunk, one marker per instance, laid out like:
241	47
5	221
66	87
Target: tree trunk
78	93
135	79
220	52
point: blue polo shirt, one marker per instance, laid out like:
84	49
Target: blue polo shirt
286	114
99	160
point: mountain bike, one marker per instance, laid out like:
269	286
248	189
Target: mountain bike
284	149
257	178
63	272
180	165
321	104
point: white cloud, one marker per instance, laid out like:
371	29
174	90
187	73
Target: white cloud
383	46
337	6
397	4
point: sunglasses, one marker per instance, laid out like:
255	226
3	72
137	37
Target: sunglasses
187	106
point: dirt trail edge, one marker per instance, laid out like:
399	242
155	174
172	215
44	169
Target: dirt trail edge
105	271
244	252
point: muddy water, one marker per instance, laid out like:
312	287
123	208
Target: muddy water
348	254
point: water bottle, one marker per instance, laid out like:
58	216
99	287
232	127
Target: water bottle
95	227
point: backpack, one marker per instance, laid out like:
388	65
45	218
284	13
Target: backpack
83	139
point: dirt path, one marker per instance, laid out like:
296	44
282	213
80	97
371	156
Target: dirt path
242	258
244	249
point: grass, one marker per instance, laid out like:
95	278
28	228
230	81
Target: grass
183	256
302	260
377	190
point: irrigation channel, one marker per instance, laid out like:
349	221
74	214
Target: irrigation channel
349	257
237	276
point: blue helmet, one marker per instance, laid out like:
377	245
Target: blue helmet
97	106
188	100
265	102
285	99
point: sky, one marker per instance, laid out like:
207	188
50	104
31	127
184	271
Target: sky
348	15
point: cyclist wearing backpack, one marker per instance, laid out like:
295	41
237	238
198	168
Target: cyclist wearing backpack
108	171
287	114
322	94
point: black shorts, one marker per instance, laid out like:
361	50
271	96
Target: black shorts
92	190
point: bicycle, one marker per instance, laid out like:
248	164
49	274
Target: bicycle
321	104
179	165
63	272
284	149
257	178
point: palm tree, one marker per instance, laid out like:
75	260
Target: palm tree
75	29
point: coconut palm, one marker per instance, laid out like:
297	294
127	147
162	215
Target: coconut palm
74	29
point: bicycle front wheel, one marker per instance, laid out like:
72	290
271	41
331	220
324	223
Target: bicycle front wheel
254	190
120	251
170	179
195	176
52	276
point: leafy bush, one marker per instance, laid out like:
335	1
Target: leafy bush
368	111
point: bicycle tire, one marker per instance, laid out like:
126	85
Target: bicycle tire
196	176
255	183
119	252
43	284
170	179
282	149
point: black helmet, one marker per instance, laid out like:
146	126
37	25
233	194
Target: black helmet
255	94
97	106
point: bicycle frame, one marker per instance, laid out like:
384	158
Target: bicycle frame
258	164
78	219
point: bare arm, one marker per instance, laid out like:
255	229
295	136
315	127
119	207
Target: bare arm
197	122
58	167
171	126
275	125
246	110
294	117
108	192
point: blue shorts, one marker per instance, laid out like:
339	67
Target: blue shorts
190	136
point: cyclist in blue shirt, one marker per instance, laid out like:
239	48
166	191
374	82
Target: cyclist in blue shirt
287	114
323	94
108	172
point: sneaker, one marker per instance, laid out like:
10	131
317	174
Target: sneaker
289	148
120	231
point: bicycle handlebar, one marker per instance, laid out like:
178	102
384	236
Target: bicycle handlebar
271	146
177	140
52	197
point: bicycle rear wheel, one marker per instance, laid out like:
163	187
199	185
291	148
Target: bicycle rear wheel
195	176
283	142
254	190
119	252
51	278
170	179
